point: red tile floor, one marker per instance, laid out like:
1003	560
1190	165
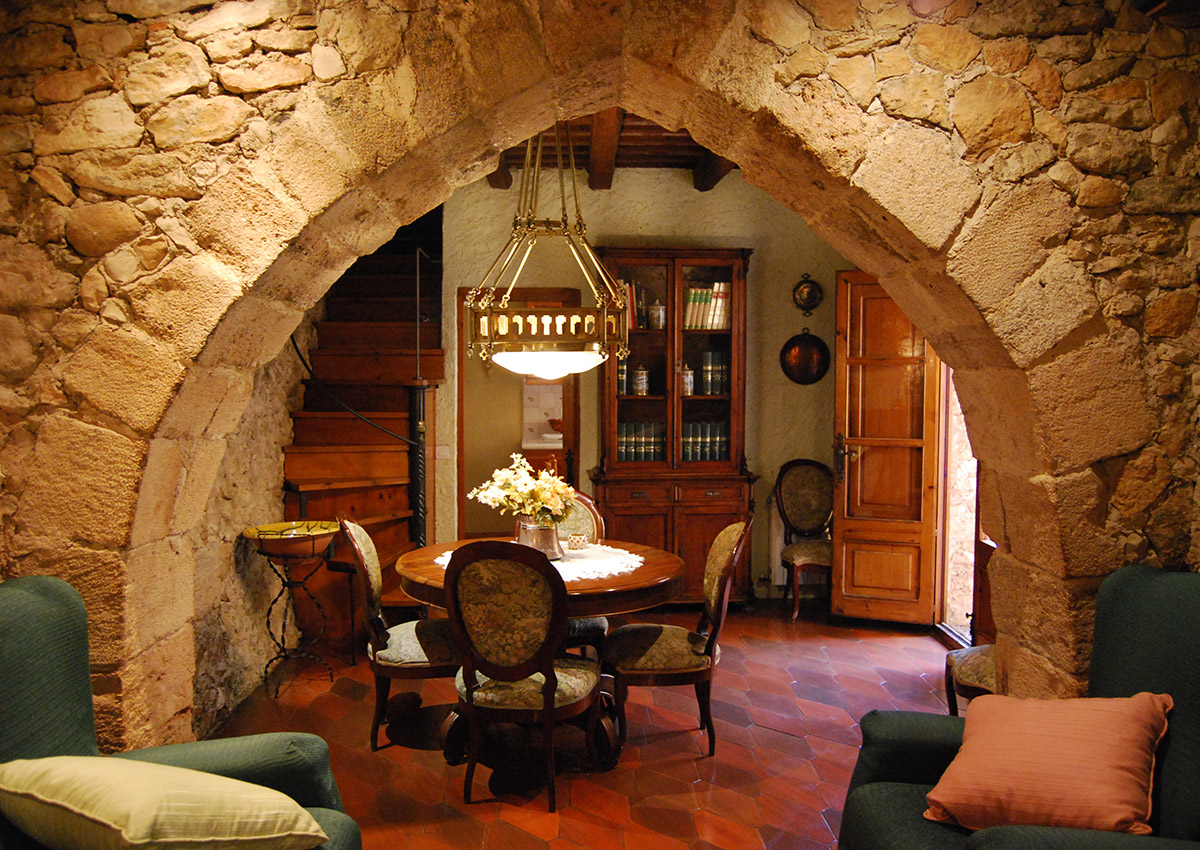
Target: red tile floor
786	699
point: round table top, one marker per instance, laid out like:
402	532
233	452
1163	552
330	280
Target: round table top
656	580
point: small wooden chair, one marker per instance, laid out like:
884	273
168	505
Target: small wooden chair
419	649
654	654
804	498
508	609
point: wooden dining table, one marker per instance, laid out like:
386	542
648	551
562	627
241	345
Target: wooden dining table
656	580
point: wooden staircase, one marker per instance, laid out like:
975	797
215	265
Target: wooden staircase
367	356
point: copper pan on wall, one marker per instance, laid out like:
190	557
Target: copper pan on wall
804	358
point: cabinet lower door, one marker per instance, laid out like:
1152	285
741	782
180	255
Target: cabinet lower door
646	524
695	530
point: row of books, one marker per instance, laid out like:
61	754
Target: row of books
641	441
707	307
640	300
705	441
713	376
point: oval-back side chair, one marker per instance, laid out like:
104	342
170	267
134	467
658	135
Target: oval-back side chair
584	518
419	649
508	609
658	654
804	499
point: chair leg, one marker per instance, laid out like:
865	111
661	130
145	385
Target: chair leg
621	688
548	746
703	694
951	697
383	686
794	577
475	726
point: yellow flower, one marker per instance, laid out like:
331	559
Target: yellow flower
544	498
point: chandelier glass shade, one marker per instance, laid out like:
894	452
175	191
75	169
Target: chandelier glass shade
548	342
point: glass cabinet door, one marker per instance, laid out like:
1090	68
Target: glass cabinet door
645	379
706	352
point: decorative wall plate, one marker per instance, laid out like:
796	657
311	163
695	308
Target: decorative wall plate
807	294
804	358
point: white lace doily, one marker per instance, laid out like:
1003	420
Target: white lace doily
596	561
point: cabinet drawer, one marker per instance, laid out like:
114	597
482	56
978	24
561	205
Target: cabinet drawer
638	494
711	492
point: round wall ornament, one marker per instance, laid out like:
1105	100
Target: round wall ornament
804	358
807	294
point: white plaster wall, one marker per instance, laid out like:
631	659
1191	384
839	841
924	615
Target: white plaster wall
659	208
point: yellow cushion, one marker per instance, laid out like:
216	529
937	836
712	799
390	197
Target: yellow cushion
650	646
99	803
1080	763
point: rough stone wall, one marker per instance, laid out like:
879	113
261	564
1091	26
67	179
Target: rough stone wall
183	179
234	585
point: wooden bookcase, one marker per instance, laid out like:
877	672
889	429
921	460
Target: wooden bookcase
672	468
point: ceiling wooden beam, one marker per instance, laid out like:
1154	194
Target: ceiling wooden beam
602	159
709	171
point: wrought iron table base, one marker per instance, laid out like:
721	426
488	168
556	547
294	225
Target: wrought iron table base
304	648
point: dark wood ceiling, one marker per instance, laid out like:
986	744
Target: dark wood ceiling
615	139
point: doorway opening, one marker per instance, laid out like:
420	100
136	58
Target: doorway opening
958	520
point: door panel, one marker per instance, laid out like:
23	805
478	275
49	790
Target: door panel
886	486
888	400
645	524
695	530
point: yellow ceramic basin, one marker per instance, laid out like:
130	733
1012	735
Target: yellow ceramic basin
302	539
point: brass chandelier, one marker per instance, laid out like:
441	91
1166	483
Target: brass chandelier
546	342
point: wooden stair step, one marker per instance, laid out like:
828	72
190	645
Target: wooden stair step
350	498
393	397
357	335
380	365
345	463
330	427
382	309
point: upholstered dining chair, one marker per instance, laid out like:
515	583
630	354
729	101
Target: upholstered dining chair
655	654
804	498
508	610
46	711
418	649
584	518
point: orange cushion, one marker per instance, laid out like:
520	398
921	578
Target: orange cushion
1083	763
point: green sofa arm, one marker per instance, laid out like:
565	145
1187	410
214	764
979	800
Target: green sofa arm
906	746
1058	838
295	763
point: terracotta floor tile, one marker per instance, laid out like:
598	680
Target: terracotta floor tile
786	701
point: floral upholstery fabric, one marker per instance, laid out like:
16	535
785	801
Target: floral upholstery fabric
580	520
370	564
974	666
806	498
816	551
418	643
720	558
506	609
650	646
577	677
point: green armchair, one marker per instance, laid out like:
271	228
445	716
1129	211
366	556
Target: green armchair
1147	638
46	710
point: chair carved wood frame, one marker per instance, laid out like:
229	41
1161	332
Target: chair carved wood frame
419	649
653	654
804	498
508	609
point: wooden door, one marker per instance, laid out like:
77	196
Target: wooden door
886	459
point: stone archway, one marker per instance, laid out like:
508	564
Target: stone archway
273	146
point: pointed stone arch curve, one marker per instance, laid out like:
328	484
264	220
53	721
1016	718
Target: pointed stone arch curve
354	159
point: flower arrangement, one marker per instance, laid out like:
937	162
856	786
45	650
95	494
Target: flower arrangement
542	497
